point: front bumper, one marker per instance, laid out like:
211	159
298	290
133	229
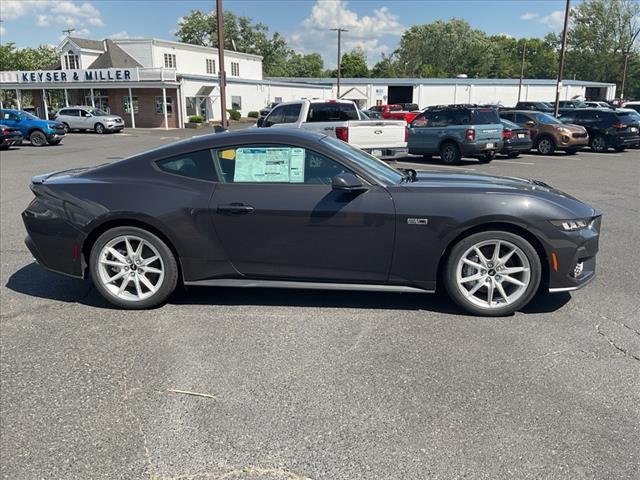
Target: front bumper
114	128
54	136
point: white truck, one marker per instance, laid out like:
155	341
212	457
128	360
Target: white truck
341	119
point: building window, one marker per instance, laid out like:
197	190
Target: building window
126	105
71	61
378	102
277	99
235	69
159	105
169	60
211	66
236	103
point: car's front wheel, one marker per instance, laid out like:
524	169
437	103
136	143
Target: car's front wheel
546	146
492	273
99	128
133	268
38	139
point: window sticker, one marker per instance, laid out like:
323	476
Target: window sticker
269	164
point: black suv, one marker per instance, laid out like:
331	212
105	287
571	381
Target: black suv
606	129
539	106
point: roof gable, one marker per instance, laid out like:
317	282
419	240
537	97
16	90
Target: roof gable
114	57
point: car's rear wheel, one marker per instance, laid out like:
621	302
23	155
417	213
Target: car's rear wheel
620	149
99	128
38	139
487	157
133	268
599	144
546	146
450	154
492	273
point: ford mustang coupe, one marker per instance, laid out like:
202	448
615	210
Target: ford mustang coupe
294	209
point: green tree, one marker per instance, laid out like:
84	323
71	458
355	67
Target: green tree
387	67
40	58
310	65
354	64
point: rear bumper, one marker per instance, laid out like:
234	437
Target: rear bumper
387	152
479	147
619	141
517	147
10	140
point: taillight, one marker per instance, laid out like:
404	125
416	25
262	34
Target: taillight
5	131
506	134
619	125
342	133
470	134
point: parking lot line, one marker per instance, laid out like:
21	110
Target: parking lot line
515	163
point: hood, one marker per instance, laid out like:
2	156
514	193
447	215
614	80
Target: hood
571	127
52	123
110	117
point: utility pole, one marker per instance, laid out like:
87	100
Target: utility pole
524	52
624	75
221	73
339	30
563	48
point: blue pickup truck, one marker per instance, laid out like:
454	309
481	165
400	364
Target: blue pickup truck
38	131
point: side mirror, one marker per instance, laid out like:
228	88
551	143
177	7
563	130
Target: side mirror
531	123
347	182
260	122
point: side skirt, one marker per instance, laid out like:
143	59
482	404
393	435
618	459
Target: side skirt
246	283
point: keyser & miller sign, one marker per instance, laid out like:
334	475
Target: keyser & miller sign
70	76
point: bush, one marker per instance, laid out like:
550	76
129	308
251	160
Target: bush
195	119
235	114
253	114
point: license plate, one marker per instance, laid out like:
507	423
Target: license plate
489	145
521	135
376	153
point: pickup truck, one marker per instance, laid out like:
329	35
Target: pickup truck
39	132
341	119
397	111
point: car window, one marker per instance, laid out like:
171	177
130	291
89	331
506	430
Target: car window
331	112
509	125
419	121
395	108
193	165
6	115
276	164
72	112
508	116
291	112
546	119
484	116
275	116
461	117
586	116
522	118
439	119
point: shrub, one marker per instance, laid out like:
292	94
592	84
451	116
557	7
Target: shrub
235	114
195	119
253	114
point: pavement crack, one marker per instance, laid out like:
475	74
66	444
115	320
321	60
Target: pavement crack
617	347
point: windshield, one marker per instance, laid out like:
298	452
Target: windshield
629	116
547	119
29	116
371	164
97	112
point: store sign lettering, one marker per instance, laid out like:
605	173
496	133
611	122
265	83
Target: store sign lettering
62	76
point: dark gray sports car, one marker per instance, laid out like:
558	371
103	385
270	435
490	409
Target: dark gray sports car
288	208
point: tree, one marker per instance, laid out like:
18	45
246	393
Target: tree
387	67
354	64
310	65
40	58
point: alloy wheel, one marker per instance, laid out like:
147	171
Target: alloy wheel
544	147
493	273
599	144
131	268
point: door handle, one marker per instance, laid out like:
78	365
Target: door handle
235	209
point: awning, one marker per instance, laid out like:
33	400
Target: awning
205	91
354	94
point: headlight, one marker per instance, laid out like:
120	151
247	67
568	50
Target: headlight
572	225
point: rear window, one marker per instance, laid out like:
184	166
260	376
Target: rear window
628	117
193	165
332	112
484	116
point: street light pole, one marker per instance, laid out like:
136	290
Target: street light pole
339	30
221	73
563	48
624	75
524	50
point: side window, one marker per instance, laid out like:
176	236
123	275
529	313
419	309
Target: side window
193	165
586	117
521	119
275	116
276	164
420	121
439	119
460	117
508	116
291	113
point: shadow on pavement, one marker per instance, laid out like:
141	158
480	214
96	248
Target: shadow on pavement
35	281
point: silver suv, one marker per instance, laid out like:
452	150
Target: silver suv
89	118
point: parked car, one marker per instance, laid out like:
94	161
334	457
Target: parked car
607	129
633	105
265	111
598	105
295	209
515	139
397	111
9	136
34	111
341	119
572	104
633	119
89	118
39	132
456	131
549	134
371	113
538	106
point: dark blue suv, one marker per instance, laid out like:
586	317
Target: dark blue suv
38	131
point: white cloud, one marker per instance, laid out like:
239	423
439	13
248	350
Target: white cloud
554	20
529	16
12	9
96	22
364	31
42	21
121	34
3	30
50	12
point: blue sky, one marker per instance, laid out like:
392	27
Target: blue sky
376	26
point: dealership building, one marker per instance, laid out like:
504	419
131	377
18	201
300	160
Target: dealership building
160	83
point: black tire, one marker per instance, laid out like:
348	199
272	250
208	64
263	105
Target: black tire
546	145
487	157
99	128
450	154
67	129
599	144
463	245
55	142
170	265
38	138
620	149
513	154
571	151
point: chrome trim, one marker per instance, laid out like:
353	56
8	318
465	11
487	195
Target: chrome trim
248	283
574	288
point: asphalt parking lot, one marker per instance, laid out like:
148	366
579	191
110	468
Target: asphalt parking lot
321	385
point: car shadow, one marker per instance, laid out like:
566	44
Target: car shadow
35	281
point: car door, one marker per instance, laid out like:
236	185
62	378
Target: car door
72	117
589	120
528	121
277	216
85	120
427	132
